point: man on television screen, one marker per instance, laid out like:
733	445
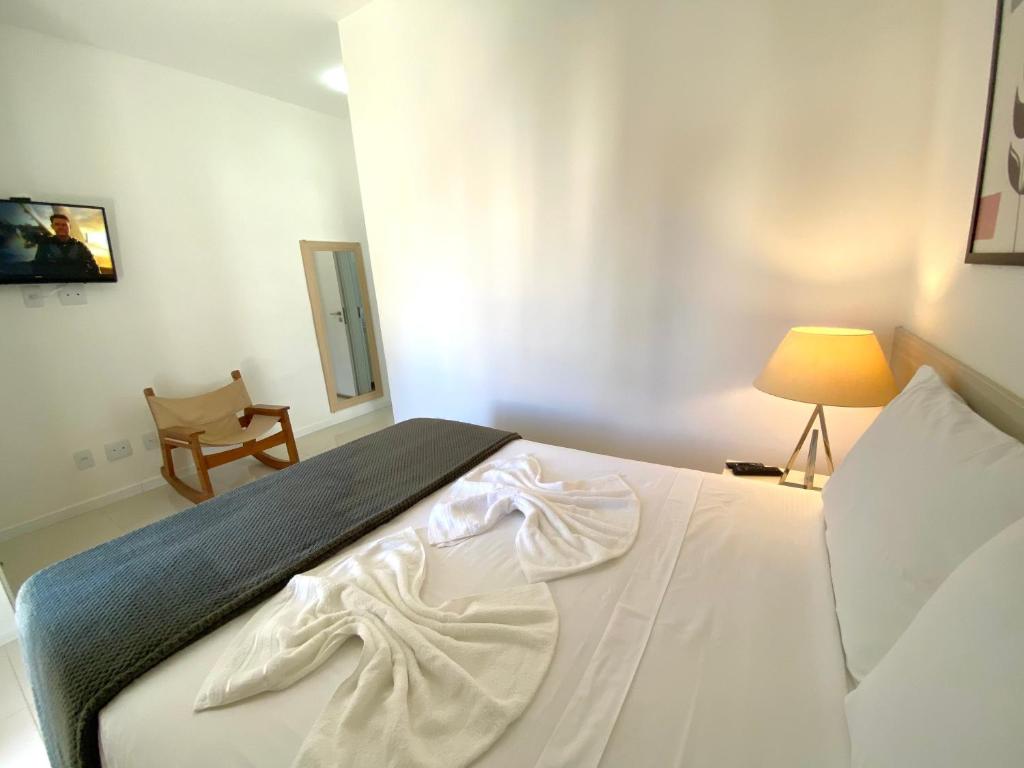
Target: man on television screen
62	256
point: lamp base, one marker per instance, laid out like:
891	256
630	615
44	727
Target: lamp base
808	483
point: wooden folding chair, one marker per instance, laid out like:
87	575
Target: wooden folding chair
213	419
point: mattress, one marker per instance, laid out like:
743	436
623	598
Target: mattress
713	642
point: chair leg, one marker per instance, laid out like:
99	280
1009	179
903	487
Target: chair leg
168	454
194	495
289	441
202	471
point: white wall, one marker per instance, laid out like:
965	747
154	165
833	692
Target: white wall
209	189
975	312
592	222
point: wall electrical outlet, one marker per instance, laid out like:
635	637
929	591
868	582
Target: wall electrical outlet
72	294
150	441
34	295
83	459
119	449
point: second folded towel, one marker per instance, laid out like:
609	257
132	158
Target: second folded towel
568	525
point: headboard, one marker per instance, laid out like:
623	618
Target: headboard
994	403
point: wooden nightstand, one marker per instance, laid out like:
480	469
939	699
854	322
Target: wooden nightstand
795	476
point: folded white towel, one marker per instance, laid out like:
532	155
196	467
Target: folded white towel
569	526
434	686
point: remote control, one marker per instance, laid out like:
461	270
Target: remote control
754	469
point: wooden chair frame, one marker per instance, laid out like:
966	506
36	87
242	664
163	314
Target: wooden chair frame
186	437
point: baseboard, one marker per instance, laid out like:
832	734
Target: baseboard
185	470
350	414
80	508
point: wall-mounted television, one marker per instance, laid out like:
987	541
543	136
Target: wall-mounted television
54	243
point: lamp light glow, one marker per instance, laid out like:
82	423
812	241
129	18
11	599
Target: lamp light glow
335	78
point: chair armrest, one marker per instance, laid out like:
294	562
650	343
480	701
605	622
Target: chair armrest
181	434
266	410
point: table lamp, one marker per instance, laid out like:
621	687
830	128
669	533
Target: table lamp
826	366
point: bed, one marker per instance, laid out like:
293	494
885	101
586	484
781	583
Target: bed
714	641
737	661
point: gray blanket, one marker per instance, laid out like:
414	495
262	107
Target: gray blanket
93	623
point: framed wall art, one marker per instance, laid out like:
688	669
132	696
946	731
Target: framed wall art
997	226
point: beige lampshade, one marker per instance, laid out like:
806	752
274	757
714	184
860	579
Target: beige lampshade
830	366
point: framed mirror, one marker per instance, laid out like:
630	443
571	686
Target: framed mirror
340	301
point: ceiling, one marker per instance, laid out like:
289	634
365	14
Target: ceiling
279	48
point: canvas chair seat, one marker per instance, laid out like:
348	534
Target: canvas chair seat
229	432
223	417
201	411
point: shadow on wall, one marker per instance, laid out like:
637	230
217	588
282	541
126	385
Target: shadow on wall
676	387
582	431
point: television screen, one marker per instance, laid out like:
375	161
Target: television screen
54	243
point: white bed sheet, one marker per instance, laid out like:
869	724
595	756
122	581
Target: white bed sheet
718	649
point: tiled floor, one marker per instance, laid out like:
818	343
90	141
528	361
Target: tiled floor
20	743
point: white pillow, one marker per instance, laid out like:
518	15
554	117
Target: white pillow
950	693
927	484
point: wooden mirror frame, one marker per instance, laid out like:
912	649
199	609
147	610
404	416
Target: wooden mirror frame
309	248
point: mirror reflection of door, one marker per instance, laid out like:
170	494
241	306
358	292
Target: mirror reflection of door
353	315
341	316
